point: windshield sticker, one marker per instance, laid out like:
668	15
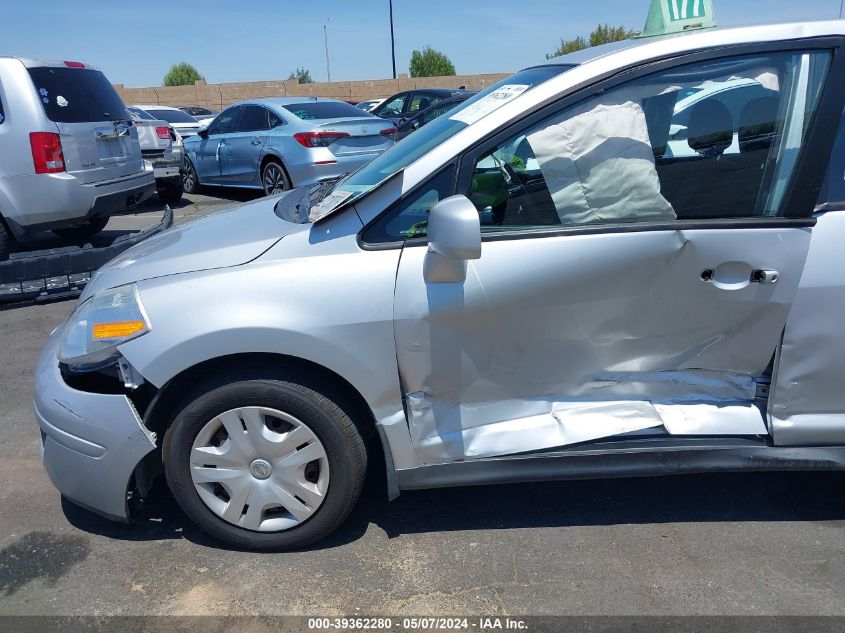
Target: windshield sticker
61	101
488	103
328	204
43	92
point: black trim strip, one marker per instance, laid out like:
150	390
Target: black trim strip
609	464
632	227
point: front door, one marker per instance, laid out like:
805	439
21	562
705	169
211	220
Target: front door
622	289
211	153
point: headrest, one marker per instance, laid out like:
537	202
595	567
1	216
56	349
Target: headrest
758	123
710	130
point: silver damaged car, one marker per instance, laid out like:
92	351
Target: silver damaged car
567	276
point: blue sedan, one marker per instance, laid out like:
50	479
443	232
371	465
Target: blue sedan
280	143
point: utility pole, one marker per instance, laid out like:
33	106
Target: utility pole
393	42
326	40
841	6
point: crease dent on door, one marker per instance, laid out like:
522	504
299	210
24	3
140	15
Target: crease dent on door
598	362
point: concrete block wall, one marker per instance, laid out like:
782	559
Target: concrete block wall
218	96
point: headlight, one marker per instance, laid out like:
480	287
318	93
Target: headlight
93	332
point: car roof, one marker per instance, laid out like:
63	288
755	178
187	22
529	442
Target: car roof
57	63
701	38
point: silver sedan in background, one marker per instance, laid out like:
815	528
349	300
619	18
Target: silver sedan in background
280	143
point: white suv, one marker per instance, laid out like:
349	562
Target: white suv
69	154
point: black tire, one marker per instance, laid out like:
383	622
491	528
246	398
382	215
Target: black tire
171	192
324	412
83	231
190	181
5	243
274	180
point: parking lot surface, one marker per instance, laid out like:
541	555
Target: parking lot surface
719	544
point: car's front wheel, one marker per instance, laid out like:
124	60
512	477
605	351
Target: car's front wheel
265	464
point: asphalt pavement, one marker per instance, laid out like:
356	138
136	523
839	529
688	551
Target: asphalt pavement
741	544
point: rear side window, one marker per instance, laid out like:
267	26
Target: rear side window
316	110
77	95
2	113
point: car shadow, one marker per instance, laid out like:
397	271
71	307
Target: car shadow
707	498
234	194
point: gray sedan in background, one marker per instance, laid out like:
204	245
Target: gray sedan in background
276	144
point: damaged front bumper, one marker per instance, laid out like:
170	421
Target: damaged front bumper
91	443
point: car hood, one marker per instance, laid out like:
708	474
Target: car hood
220	240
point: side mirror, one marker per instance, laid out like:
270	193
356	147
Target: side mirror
454	237
203	132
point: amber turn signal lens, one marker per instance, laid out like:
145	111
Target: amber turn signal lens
117	330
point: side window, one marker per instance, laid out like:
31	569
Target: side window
421	101
436	112
717	139
253	119
225	121
408	218
2	113
393	107
275	119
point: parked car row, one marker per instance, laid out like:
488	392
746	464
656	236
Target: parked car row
73	154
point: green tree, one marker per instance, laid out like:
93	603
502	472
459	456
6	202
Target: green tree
430	63
302	75
603	34
182	74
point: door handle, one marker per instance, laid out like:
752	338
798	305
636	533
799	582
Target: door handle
764	276
255	140
761	276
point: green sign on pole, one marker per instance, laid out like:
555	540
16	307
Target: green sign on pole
677	16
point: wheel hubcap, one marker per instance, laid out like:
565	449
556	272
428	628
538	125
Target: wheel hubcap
273	179
259	468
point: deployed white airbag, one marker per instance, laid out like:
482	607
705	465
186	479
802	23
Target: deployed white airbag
598	164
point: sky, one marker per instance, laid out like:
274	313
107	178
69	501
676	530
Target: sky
252	40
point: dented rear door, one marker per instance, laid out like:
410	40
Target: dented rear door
620	288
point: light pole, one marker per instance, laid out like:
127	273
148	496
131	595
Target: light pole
841	6
326	40
393	42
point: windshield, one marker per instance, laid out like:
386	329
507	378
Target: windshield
172	116
427	138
